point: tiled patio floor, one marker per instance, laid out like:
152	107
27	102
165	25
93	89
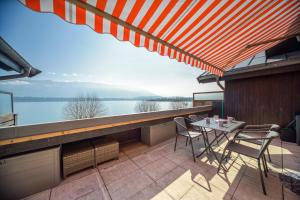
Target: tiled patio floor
158	172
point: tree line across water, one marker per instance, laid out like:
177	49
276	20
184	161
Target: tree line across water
89	106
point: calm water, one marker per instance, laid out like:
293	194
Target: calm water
41	112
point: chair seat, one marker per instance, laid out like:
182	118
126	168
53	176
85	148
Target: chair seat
209	129
193	134
199	129
243	149
241	135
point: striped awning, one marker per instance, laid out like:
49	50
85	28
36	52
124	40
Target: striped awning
213	35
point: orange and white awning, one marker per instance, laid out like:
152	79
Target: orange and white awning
213	35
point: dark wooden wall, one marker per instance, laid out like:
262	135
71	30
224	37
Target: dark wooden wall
266	99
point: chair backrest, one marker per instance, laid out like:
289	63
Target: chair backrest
271	127
195	118
180	124
275	127
268	139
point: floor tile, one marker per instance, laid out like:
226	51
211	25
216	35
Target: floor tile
88	187
180	156
150	192
159	168
197	193
226	181
249	188
180	186
196	168
122	157
117	171
162	196
146	158
129	185
78	175
163	150
170	177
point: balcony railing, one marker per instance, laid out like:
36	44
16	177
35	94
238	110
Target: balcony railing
7	116
18	139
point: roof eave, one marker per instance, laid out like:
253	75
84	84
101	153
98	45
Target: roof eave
255	71
16	63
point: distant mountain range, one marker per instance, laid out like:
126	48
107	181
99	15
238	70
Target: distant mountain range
55	89
62	99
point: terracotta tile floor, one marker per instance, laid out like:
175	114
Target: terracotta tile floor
158	172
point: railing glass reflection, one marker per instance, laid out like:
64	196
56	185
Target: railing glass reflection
6	103
216	99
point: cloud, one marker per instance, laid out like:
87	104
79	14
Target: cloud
51	73
72	74
15	82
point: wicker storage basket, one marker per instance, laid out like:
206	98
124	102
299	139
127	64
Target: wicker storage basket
77	157
105	150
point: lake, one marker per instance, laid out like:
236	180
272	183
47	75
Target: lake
43	112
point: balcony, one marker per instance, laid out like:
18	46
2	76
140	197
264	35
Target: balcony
206	35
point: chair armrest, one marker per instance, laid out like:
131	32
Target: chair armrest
262	126
253	131
249	132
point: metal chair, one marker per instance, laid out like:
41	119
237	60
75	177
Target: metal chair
258	154
182	130
249	130
196	118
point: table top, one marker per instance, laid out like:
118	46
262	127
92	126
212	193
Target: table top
227	127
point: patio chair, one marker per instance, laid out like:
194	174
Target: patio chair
182	130
258	154
196	118
249	130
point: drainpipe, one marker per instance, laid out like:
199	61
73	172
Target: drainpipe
222	88
219	84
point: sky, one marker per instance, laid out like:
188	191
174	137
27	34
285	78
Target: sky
68	52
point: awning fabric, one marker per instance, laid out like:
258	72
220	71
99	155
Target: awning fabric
211	35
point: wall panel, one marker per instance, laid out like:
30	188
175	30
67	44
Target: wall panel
265	99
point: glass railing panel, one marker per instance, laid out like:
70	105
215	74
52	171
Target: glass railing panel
216	99
6	104
209	96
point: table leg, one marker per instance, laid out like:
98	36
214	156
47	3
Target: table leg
225	135
207	146
211	149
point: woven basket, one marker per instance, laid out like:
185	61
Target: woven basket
105	150
77	157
